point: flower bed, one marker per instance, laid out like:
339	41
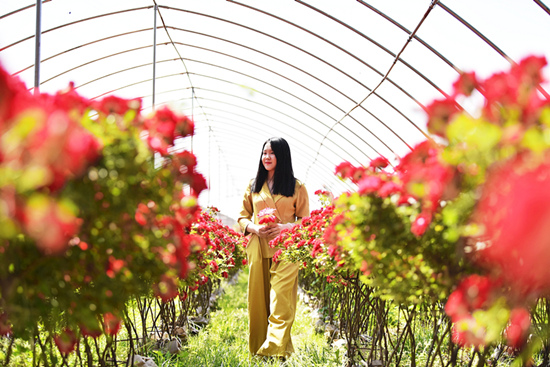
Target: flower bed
462	219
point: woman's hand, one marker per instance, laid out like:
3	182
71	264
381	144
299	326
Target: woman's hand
268	231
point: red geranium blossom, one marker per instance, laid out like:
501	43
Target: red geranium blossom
65	341
515	212
518	329
111	323
166	289
440	113
267	215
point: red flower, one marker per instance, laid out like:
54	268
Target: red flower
50	223
369	184
421	223
116	105
529	70
424	175
66	341
465	84
440	113
114	265
515	212
225	274
214	266
166	289
183	296
473	293
345	169
276	255
267	215
245	262
518	329
380	162
5	327
15	98
111	323
91	328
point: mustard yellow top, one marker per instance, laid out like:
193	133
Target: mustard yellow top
288	210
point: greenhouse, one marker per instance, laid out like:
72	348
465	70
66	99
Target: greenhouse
372	172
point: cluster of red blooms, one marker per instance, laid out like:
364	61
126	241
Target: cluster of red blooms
305	243
267	215
221	253
47	141
503	154
421	175
477	293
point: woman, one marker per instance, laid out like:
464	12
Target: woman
272	287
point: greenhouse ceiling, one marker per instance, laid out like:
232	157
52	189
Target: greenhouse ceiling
341	80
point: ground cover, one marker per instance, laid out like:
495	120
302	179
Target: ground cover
224	341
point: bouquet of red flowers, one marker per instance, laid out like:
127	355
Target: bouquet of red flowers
267	216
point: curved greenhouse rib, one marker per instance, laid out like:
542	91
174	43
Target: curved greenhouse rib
412	68
260	132
270	118
87	44
371	91
103	58
252	49
488	41
284	91
543	6
478	33
422	42
261	136
384	78
299	49
18	10
76	22
276	99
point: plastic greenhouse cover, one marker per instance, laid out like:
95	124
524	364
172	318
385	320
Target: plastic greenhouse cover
340	80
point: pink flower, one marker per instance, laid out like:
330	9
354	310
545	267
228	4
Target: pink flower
369	184
421	223
267	216
388	188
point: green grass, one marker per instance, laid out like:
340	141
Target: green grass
224	342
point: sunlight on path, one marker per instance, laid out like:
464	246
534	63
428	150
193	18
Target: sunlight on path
224	342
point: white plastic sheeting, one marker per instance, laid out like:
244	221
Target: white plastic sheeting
340	80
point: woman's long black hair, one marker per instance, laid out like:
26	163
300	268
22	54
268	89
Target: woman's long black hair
284	181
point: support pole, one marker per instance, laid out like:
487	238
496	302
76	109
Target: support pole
37	46
154	54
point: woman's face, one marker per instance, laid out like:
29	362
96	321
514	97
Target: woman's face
268	158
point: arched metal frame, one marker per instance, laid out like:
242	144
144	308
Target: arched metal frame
355	118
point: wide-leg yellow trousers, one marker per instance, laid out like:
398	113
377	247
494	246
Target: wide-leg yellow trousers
272	297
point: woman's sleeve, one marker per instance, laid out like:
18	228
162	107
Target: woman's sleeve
245	216
302	202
